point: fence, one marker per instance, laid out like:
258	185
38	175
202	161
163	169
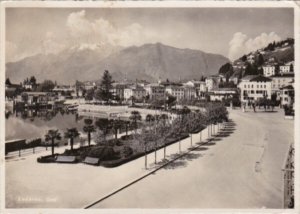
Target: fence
288	179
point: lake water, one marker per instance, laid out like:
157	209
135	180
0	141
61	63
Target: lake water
34	125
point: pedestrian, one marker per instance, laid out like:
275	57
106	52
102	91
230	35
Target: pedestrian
253	105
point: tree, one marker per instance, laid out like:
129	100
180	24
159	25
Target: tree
32	80
260	60
89	94
171	101
134	117
106	86
52	135
104	125
116	125
244	58
72	134
7	81
46	86
150	118
89	128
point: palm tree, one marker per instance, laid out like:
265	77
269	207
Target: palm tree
150	118
116	124
89	128
134	117
71	134
52	135
104	125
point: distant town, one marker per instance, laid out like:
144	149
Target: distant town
258	77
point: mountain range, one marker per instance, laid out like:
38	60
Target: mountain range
148	62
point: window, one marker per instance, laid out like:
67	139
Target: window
264	86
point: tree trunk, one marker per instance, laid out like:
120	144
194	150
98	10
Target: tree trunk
165	151
200	136
52	146
89	138
191	139
155	154
179	146
126	129
72	142
145	158
116	134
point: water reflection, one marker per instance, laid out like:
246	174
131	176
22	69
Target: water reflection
35	123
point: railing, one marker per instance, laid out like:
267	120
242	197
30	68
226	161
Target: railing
288	178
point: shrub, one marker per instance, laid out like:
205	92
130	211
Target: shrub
103	153
47	159
126	151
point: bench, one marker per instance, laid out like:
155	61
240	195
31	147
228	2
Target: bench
66	159
91	161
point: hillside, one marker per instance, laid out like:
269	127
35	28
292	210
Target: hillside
149	62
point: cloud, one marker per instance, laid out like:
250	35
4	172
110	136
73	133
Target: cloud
101	31
51	44
240	43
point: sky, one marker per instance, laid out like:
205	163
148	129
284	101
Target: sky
227	31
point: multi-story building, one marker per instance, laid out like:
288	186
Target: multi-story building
269	70
287	94
155	90
136	92
253	87
176	91
189	92
212	82
222	93
280	81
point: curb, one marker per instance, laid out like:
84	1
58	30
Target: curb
144	176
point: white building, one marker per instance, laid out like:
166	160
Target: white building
281	81
287	95
269	70
137	92
175	91
212	82
222	93
253	87
189	92
155	90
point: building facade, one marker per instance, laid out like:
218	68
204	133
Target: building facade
253	87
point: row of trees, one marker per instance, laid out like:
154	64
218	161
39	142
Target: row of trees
158	129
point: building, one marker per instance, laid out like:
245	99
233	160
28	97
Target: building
155	91
64	90
269	70
253	87
176	91
287	95
41	98
189	92
222	93
212	82
280	81
135	92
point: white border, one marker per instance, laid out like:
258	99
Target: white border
142	4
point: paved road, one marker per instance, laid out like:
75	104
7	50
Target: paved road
240	170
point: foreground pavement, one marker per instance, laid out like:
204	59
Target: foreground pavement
221	174
242	170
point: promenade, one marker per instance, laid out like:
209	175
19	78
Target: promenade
242	170
239	169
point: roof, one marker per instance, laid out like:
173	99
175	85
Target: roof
288	87
256	78
287	75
